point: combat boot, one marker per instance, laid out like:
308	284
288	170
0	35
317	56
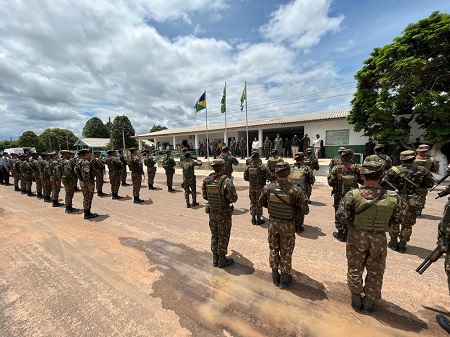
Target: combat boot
195	203
23	191
215	260
101	194
443	322
150	187
275	277
357	302
368	305
70	209
89	215
260	221
253	219
39	195
393	244
402	247
30	194
188	205
340	235
285	280
47	199
56	203
17	189
171	189
223	261
137	200
299	229
125	184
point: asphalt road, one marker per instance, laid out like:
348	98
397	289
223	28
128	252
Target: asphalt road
146	270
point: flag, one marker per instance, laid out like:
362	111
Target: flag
243	97
201	103
223	101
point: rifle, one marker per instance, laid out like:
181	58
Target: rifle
388	185
440	181
433	257
442	194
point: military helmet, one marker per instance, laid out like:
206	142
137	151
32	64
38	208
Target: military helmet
282	169
371	167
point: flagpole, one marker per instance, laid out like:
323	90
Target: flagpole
246	118
225	102
206	121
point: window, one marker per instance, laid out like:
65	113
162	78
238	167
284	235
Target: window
337	137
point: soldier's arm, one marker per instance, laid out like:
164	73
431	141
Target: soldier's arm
204	191
331	179
263	197
428	180
246	174
398	215
300	200
345	212
235	161
230	191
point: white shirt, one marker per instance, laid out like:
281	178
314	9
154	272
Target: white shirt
317	142
255	145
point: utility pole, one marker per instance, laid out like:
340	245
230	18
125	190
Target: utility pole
123	136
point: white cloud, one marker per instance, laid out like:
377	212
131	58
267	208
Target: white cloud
301	23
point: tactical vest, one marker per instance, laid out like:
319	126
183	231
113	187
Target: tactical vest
215	192
297	176
134	163
27	171
98	164
277	208
68	169
273	163
149	162
77	170
168	163
346	178
188	170
405	180
56	169
425	162
255	176
376	217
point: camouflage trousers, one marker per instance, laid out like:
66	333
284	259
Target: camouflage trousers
299	219
409	219
69	187
151	172
190	187
16	177
123	174
46	186
28	183
254	192
220	226
422	193
56	187
308	190
87	196
37	178
136	179
169	177
337	199
366	250
115	181
281	243
99	180
22	183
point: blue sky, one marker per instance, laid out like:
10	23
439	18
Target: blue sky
63	62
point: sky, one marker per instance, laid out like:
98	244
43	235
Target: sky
63	62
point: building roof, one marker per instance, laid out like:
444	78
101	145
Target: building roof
273	121
93	142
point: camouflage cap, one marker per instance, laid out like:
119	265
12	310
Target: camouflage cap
346	152
97	151
255	154
282	169
423	148
225	149
83	151
408	154
371	167
218	162
341	148
378	146
274	151
299	156
308	150
110	151
52	153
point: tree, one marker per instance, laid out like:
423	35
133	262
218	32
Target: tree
407	81
121	129
157	128
55	139
8	144
30	139
94	128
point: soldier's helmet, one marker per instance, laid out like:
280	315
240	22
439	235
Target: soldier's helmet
341	148
308	150
379	147
299	156
282	169
347	153
371	167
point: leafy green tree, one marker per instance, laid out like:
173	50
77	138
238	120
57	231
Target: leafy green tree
158	128
407	81
121	129
55	139
94	128
30	139
8	144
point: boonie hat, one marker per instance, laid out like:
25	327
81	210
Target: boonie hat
282	169
299	155
371	167
408	154
341	148
218	162
423	148
346	152
378	146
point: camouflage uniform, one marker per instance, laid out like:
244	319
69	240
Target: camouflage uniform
115	170
233	147
87	178
99	166
189	180
424	160
220	192
243	148
366	240
444	235
27	175
407	178
311	161
256	173
229	162
383	159
14	172
214	146
150	162
45	178
19	174
272	163
303	177
68	179
136	168
267	148
278	145
36	165
123	170
169	166
55	178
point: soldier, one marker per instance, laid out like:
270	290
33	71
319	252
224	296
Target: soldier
123	168
305	142
169	166
287	147
303	177
295	145
379	157
87	175
68	179
14	171
183	154
278	144
370	145
220	192
335	160
76	162
427	161
267	147
137	170
115	172
55	178
272	162
19	171
36	165
230	160
233	146
27	174
45	177
366	213
214	146
151	164
407	178
189	180
99	166
243	147
343	178
283	200
256	173
399	148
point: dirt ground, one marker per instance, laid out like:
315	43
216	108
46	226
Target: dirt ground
146	270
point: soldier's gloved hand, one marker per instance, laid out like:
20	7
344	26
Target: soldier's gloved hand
442	194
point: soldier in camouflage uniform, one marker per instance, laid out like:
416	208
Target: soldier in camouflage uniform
189	180
335	160
19	170
214	146
427	161
220	192
278	144
169	166
36	165
283	201
407	178
301	176
99	166
150	162
55	178
256	173
137	170
230	160
267	145
399	148
68	179
273	161
367	213
14	172
343	178
243	147
233	146
27	174
379	157
45	177
311	161
86	174
115	169
123	168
